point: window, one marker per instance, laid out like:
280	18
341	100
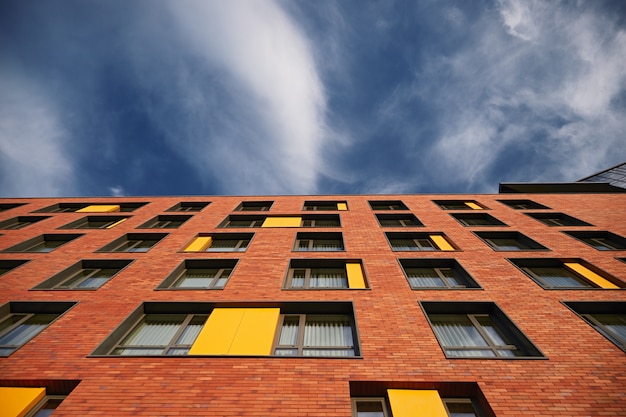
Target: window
509	241
600	240
90	207
33	401
6	265
20	222
220	242
165	222
436	273
477	219
9	206
252	329
319	242
134	242
476	330
320	220
452	407
459	205
243	221
207	274
47	406
607	317
419	242
524	205
42	244
85	275
557	219
22	321
254	206
189	206
325	274
398	220
325	205
565	274
388	205
96	222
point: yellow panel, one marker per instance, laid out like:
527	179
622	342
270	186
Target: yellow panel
441	242
342	206
16	402
116	223
590	275
416	403
255	335
99	209
218	333
355	275
199	244
282	222
473	206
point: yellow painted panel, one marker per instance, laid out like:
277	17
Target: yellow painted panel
16	402
355	275
590	275
416	403
116	223
218	333
342	206
199	244
473	206
441	242
99	209
255	335
282	222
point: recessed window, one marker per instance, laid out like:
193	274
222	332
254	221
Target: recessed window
459	204
90	207
206	274
96	222
325	274
476	330
566	274
398	220
242	221
21	222
9	206
600	240
220	242
436	273
189	206
524	205
330	242
607	317
388	205
34	398
85	275
8	264
509	241
165	221
557	219
477	219
320	220
419	242
43	244
134	242
22	321
325	205
254	206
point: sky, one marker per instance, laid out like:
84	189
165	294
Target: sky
264	97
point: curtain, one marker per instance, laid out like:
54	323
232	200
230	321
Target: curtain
28	329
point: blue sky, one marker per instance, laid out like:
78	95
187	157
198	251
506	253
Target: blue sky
155	97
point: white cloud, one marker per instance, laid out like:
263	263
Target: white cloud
519	17
117	191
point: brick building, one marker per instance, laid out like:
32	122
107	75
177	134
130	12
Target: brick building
372	305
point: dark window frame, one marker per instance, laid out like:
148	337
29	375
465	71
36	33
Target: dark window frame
439	265
236	221
403	220
71	275
177	276
322	205
93	222
422	241
8	206
189	206
28	245
523	204
320	220
74	207
525	243
254	206
466	219
309	266
586	310
8	265
166	221
137	239
312	239
557	219
526	266
601	238
459	205
395	205
243	241
20	222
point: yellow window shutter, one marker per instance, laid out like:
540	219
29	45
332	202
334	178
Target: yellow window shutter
16	402
441	242
116	223
590	275
342	206
355	275
416	403
473	206
99	209
282	222
237	331
199	244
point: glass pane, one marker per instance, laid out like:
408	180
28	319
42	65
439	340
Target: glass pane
328	352
404	244
559	278
495	334
192	330
196	278
507	244
46	246
289	331
142	245
137	352
27	329
460	409
424	277
327	245
328	331
615	324
297	281
453	279
456	330
154	330
369	409
48	408
286	352
328	278
470	353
